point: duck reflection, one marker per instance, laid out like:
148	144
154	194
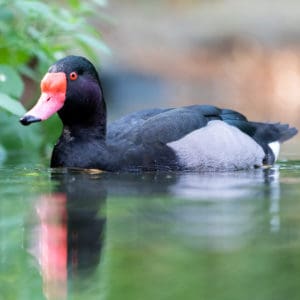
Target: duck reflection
214	211
231	209
69	235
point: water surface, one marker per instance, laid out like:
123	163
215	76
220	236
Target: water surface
73	235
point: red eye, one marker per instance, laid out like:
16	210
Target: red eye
73	76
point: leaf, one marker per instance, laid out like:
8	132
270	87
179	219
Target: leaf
14	136
11	105
75	4
34	7
10	82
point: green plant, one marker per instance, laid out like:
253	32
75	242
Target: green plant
33	34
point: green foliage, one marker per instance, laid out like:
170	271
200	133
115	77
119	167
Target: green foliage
11	88
36	30
33	34
10	82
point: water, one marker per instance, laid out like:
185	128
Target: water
73	235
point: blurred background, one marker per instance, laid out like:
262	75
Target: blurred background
234	54
229	53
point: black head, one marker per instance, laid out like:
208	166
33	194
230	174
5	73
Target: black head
73	89
73	63
84	104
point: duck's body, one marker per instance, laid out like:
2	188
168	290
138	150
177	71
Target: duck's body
199	137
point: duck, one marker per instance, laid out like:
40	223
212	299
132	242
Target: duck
189	138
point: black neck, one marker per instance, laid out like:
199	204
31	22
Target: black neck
85	123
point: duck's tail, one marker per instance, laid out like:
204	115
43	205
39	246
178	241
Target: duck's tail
273	132
270	136
263	132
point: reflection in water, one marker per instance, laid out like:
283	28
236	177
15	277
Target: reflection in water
67	241
231	205
209	211
51	248
202	211
227	185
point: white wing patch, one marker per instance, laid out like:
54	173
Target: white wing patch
218	147
275	147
